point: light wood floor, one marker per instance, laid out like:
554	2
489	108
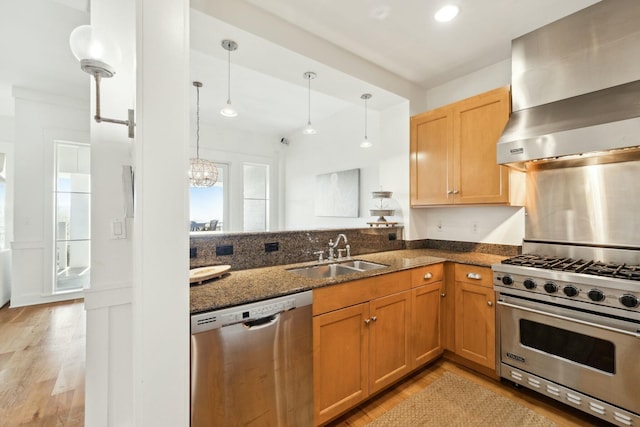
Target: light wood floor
562	415
42	360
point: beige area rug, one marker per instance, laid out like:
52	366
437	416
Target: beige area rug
455	401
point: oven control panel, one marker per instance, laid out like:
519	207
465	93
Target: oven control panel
602	293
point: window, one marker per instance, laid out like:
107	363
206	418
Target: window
207	205
72	216
256	197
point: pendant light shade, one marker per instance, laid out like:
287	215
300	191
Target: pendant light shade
228	110
202	172
308	129
365	142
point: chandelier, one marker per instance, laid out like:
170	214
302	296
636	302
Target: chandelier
202	172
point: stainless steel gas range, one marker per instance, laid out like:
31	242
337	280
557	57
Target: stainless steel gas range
569	328
568	314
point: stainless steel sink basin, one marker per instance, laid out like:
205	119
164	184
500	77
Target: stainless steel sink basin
362	265
326	271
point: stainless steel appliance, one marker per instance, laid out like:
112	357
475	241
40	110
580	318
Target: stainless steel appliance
568	314
252	365
575	89
570	328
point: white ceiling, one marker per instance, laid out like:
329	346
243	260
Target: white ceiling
267	84
410	43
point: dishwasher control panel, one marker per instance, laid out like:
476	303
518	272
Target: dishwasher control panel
245	313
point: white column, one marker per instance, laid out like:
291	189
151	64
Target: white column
161	263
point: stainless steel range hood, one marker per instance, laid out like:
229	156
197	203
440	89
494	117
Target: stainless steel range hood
576	90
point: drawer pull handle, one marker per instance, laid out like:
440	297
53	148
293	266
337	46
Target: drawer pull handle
374	318
367	321
490	303
443	295
474	276
428	276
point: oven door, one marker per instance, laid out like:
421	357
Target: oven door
588	352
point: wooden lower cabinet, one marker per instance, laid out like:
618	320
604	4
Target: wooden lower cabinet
340	360
367	334
475	315
389	340
426	323
359	350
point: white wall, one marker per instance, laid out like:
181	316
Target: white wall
485	224
236	148
394	159
137	370
108	302
6	147
334	148
40	120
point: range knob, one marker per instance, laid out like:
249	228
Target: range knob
507	280
596	295
629	300
570	291
529	284
551	287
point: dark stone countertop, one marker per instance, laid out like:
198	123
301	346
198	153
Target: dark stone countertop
244	286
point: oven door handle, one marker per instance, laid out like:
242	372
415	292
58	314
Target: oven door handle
635	334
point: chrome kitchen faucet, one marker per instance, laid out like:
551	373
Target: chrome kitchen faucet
333	245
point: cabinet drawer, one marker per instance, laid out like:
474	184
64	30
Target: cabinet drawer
333	297
424	275
473	274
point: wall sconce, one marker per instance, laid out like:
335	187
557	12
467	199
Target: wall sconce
97	53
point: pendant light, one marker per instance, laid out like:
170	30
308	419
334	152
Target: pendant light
308	129
365	142
202	172
228	110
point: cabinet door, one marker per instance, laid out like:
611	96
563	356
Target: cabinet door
425	322
475	323
340	357
431	156
389	335
478	123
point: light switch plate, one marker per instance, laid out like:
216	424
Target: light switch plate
118	229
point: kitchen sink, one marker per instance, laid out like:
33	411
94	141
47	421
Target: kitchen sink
362	265
326	271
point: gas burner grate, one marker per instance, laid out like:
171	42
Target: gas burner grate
596	268
620	271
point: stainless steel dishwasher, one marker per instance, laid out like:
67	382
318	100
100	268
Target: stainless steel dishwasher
252	365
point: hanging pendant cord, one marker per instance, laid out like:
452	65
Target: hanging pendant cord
229	76
365	118
198	123
309	98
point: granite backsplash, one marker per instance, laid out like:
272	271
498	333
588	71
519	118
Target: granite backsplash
254	250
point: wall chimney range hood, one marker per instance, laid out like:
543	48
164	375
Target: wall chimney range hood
576	90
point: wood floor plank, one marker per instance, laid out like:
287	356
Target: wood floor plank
42	363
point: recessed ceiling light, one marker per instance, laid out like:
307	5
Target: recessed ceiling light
447	13
380	12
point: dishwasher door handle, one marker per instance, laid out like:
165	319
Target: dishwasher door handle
261	323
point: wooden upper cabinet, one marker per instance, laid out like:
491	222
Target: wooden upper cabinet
453	152
431	151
